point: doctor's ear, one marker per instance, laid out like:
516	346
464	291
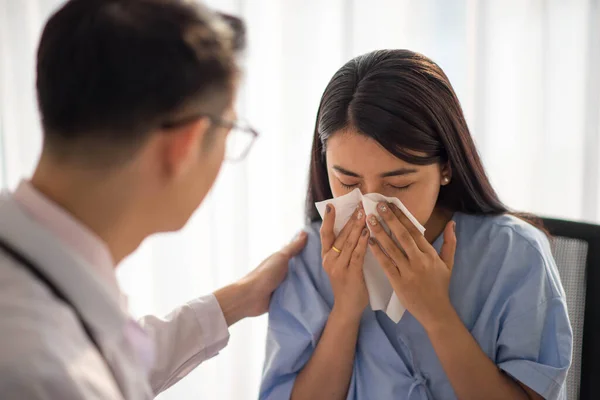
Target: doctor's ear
182	145
446	173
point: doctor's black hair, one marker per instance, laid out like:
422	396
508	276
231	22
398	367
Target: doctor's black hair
405	102
111	71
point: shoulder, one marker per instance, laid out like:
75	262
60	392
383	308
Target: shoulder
504	240
504	231
32	365
313	244
305	294
25	299
38	372
33	372
308	264
510	252
42	351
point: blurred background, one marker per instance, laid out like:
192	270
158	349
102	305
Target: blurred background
526	71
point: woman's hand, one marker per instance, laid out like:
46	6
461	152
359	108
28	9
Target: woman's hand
420	277
328	372
343	259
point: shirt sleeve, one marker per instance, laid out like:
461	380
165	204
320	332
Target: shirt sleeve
188	336
535	337
297	317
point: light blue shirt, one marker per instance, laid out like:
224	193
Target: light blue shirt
505	287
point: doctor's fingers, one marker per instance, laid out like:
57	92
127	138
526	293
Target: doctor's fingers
295	246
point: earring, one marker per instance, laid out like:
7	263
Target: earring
445	180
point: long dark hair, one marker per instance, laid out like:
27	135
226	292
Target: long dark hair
405	102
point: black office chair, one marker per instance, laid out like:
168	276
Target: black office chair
576	249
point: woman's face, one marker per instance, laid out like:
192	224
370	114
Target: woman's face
357	161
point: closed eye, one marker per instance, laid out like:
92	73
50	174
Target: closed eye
349	187
400	187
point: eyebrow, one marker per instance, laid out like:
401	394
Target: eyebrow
396	172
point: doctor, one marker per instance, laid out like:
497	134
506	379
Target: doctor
136	98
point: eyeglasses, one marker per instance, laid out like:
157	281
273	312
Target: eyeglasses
240	138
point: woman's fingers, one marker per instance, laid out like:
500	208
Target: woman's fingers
347	247
329	242
449	246
358	255
418	237
327	234
391	271
403	234
356	218
386	243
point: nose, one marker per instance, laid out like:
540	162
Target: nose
372	187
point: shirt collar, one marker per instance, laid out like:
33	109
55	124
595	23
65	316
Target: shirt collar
78	237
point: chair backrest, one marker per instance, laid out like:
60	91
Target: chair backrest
576	249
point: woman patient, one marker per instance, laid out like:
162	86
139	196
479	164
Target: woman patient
486	313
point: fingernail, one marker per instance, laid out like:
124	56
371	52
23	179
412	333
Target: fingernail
383	207
359	214
365	232
327	209
373	220
371	241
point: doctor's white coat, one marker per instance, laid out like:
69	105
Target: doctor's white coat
46	354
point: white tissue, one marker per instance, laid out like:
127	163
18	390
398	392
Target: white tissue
381	294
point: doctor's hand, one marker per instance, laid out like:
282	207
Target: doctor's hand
250	296
420	277
343	258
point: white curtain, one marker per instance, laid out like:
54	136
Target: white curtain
527	73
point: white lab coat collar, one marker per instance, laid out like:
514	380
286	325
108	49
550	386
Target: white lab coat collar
96	301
